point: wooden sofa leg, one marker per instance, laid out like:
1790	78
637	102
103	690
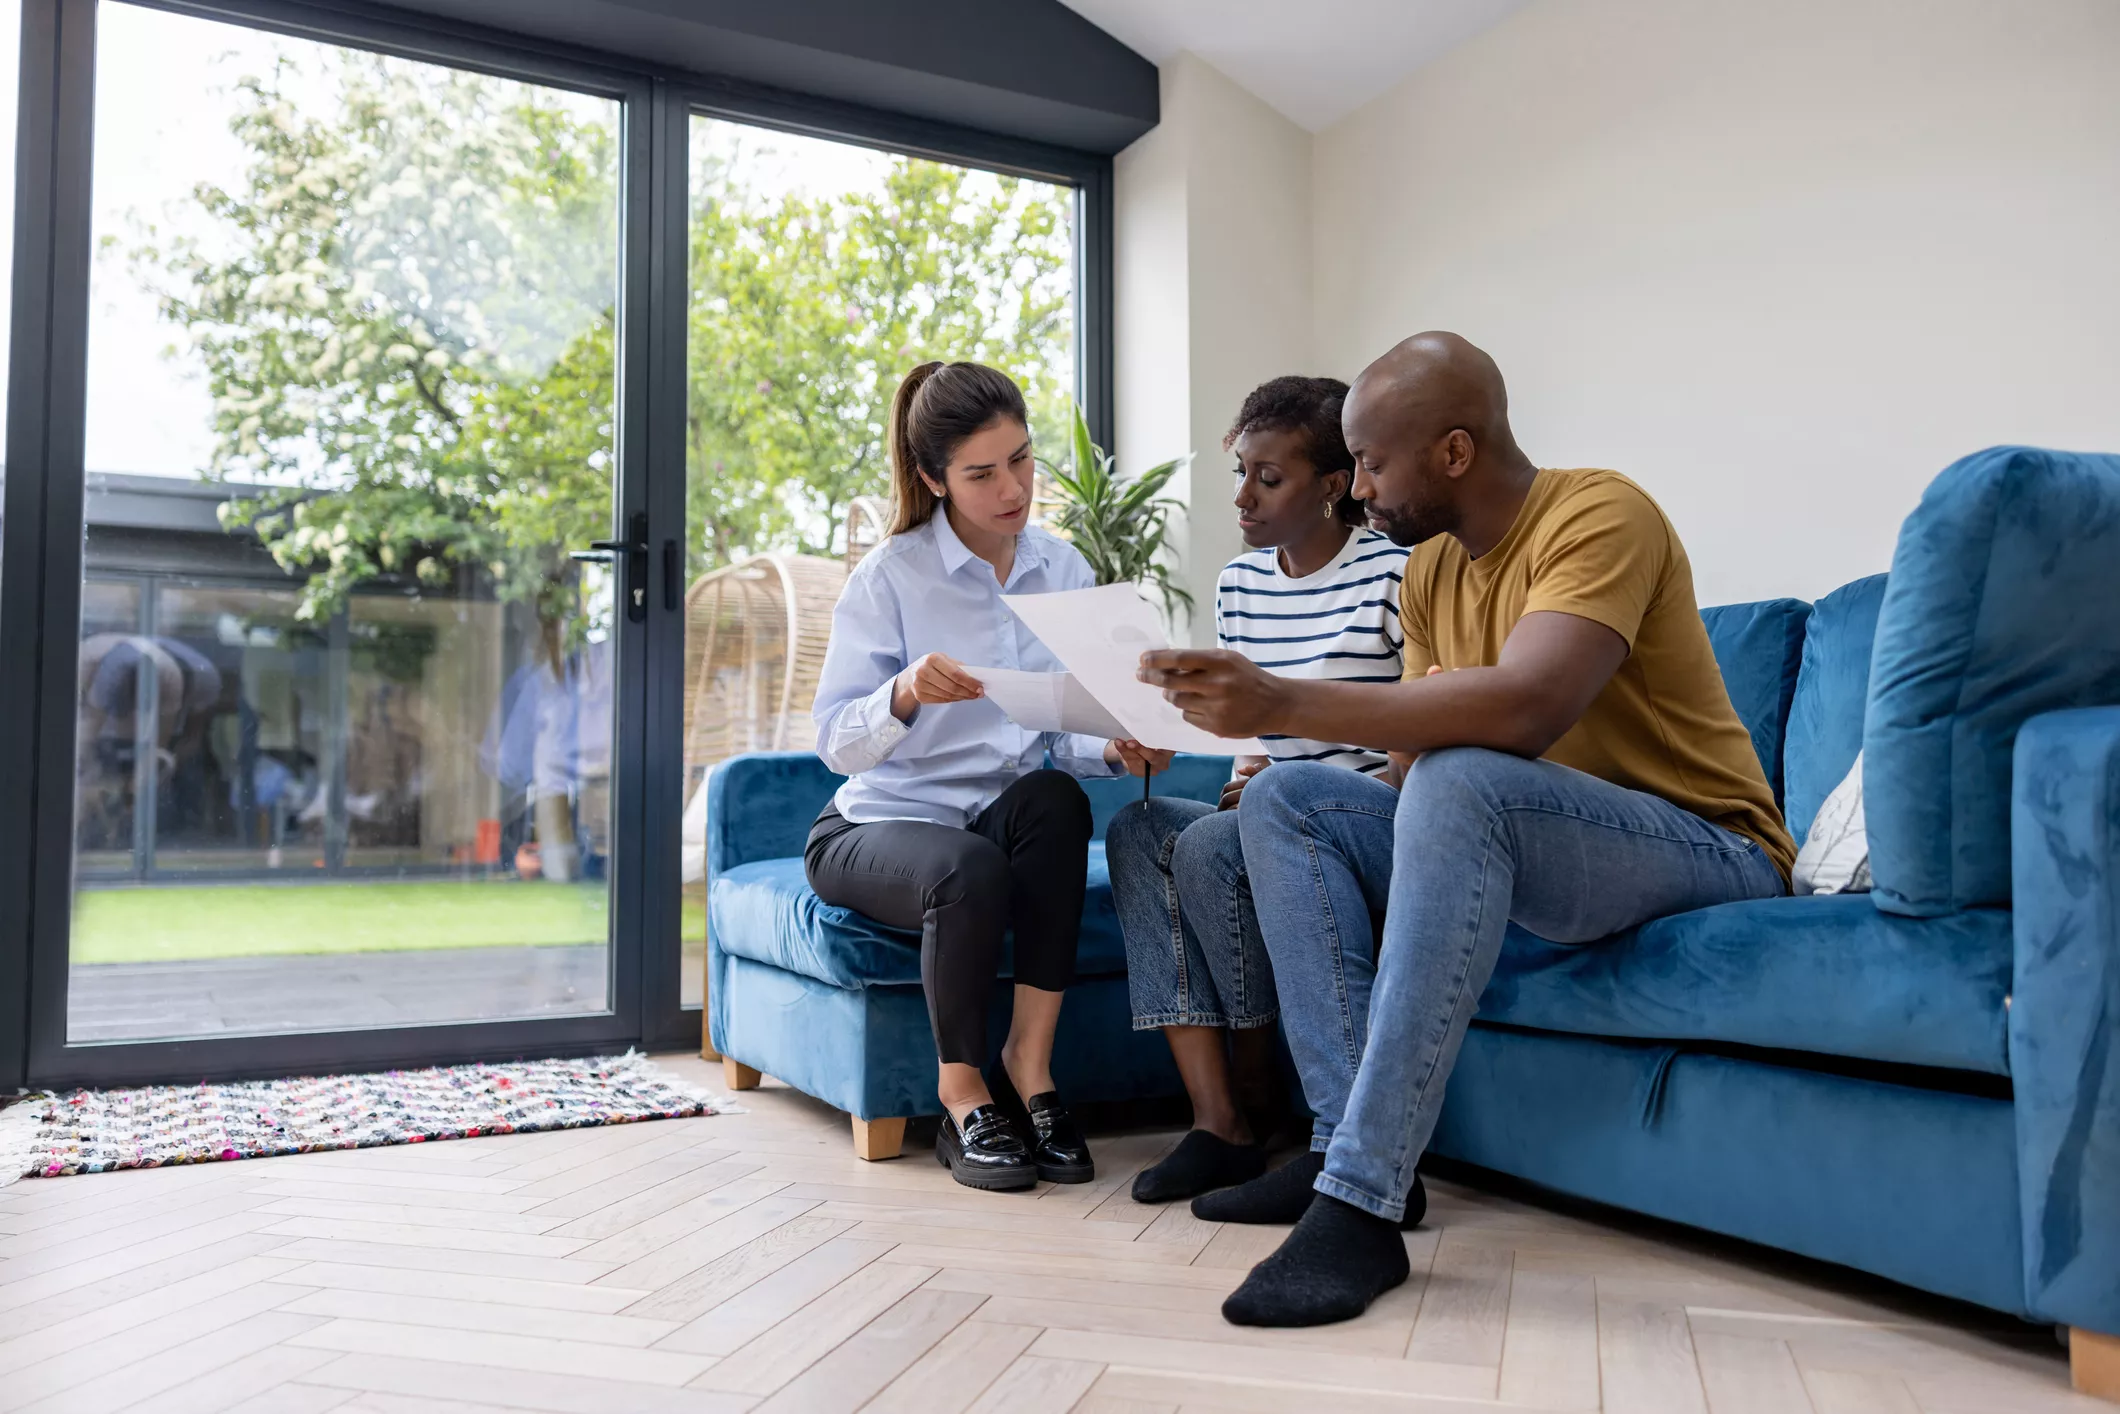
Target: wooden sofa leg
2094	1362
876	1139
737	1075
706	1032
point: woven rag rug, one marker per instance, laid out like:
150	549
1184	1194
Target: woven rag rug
95	1131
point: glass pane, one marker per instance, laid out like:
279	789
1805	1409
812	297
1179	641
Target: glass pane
346	709
820	273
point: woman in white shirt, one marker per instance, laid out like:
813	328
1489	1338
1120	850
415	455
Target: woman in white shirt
950	822
1315	595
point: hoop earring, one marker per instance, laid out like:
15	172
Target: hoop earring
1331	510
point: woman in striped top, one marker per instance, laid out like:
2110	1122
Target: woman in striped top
1315	595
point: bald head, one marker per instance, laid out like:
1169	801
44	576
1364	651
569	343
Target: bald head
1432	382
1428	424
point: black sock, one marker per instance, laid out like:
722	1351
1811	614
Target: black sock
1337	1261
1280	1196
1283	1196
1201	1162
1416	1205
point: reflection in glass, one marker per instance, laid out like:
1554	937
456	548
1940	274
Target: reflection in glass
345	704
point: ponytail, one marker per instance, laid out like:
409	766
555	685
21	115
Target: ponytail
937	408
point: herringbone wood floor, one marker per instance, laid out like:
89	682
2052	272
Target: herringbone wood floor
751	1262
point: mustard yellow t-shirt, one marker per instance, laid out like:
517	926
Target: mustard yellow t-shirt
1592	544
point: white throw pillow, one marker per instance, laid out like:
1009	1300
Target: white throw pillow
1835	858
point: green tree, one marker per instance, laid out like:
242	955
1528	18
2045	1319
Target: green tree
806	313
404	311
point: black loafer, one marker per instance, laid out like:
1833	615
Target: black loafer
986	1153
1049	1132
1061	1153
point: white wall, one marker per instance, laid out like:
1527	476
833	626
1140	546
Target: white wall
1212	292
1779	262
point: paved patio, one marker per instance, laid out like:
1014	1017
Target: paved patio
138	1001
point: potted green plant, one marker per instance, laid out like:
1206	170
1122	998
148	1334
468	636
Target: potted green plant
1118	524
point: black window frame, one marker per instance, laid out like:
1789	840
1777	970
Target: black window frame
41	517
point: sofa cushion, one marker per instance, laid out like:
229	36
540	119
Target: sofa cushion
1825	716
2004	602
766	911
1830	975
1759	648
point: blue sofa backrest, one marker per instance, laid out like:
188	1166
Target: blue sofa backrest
1833	683
1758	647
2004	603
1189	777
761	805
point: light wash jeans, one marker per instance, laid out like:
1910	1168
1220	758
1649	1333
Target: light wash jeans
1193	952
1475	841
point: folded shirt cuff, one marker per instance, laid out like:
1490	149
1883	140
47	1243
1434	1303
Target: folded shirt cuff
884	730
1083	758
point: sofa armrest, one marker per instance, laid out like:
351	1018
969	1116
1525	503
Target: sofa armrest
2064	1011
761	806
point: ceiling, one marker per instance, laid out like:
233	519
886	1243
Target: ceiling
1316	61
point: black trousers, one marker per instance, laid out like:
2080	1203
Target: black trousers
1021	865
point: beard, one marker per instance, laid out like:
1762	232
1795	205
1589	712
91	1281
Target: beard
1409	525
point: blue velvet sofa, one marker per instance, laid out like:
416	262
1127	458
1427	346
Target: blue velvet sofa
1920	1082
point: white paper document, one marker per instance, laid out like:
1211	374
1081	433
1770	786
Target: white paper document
1047	702
1100	635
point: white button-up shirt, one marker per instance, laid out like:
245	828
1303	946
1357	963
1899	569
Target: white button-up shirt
925	592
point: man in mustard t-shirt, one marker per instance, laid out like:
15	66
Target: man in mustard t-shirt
1575	767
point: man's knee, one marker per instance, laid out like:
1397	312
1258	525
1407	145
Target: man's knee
1459	779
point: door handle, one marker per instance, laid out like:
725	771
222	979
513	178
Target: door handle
635	549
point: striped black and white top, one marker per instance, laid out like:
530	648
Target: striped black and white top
1341	622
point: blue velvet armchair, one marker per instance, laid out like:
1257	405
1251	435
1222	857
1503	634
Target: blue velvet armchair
830	1002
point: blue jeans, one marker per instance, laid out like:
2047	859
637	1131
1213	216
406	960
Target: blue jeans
1193	952
1475	841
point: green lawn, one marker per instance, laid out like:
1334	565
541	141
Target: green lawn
177	923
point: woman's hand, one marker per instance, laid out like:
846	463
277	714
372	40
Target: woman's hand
1138	760
934	678
1247	767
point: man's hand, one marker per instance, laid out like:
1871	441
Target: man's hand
1247	767
933	678
1224	692
1138	760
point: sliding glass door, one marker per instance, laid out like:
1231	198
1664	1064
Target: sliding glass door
426	459
353	677
345	714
